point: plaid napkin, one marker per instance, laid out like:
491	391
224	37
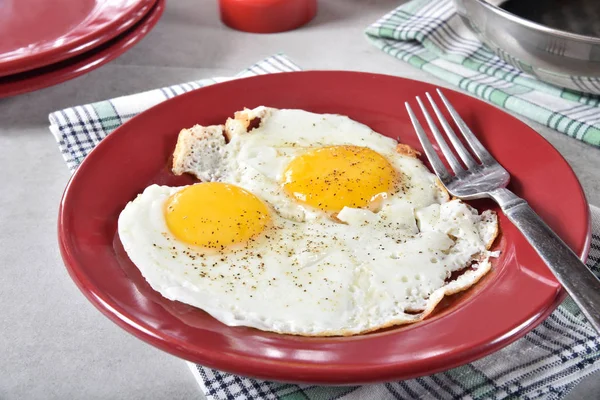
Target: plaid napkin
430	35
545	364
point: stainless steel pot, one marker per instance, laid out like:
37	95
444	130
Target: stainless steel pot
562	58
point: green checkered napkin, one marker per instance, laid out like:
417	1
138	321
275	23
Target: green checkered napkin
545	364
430	35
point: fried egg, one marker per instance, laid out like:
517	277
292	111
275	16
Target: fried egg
303	223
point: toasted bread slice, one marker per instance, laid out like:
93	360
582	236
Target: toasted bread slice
199	149
406	150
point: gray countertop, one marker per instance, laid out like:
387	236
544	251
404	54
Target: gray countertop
54	344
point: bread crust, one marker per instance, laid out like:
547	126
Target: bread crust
244	121
406	150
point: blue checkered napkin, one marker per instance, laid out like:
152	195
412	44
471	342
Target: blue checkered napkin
429	35
545	364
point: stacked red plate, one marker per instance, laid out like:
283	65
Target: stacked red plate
45	43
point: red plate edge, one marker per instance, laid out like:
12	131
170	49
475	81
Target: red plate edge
65	70
82	44
298	372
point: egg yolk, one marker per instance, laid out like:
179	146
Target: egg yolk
331	178
215	215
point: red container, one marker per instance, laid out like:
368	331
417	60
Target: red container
267	16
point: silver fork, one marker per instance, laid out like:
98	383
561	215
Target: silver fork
486	178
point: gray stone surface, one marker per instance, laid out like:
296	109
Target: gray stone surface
53	343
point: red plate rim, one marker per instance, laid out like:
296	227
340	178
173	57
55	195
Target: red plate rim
65	70
81	43
464	343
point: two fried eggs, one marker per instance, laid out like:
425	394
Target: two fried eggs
309	224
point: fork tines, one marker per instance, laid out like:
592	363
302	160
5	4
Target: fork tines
476	147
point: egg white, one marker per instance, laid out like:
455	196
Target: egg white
256	160
318	278
309	273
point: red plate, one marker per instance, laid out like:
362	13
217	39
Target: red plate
36	33
83	63
515	296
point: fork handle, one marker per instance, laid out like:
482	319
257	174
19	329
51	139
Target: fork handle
574	276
